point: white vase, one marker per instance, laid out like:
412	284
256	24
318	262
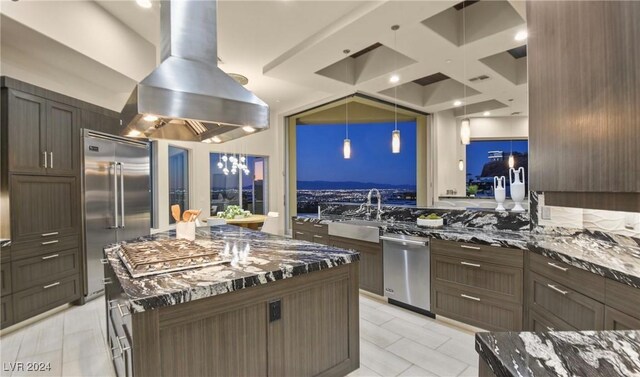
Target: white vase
516	179
500	192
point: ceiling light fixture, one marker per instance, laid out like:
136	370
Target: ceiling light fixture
216	139
521	35
150	118
465	125
465	131
457	103
394	79
395	135
346	144
249	129
134	133
144	3
460	165
486	113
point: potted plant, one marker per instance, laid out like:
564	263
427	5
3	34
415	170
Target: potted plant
234	212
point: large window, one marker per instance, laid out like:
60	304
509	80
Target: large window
489	158
323	175
245	190
178	179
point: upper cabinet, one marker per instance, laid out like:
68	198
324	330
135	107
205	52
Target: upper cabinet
43	135
584	103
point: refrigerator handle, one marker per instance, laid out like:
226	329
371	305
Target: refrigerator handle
121	195
115	193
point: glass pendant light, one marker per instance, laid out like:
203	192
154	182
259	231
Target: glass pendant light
465	125
512	160
395	135
346	144
465	131
460	165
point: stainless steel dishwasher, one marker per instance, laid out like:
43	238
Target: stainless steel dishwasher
407	272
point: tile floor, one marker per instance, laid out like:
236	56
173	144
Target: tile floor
393	342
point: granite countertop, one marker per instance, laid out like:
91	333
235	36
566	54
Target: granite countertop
256	258
614	257
561	353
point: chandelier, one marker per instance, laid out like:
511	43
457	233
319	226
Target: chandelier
238	162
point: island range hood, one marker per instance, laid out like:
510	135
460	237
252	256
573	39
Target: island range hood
187	97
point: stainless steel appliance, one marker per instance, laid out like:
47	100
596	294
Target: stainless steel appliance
407	272
117	198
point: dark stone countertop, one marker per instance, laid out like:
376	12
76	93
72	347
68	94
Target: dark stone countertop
561	353
611	256
257	258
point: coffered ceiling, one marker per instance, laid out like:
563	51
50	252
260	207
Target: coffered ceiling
292	52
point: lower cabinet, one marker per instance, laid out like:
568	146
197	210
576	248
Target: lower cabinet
617	320
6	311
45	296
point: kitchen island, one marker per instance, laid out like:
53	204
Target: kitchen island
270	306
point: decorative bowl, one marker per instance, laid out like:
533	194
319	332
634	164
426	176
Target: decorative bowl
431	223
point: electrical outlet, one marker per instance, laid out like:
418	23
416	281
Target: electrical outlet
546	213
275	311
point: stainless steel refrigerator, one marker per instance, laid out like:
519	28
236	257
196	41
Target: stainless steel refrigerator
117	198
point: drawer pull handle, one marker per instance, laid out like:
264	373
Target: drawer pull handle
49	234
106	281
50	256
557	289
470	264
122	313
550	328
299	233
558	267
49	242
317	236
470	297
299	223
470	247
104	261
51	285
113	352
318	225
121	340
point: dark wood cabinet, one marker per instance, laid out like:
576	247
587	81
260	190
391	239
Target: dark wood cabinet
477	284
109	124
617	320
584	90
44	208
540	321
5	279
45	296
371	262
6	311
44	135
30	272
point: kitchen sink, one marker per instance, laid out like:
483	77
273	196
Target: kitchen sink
363	230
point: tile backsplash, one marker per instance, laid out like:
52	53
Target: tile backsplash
617	222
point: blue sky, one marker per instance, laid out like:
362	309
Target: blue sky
477	152
319	153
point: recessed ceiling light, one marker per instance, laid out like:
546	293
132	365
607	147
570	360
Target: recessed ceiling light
394	79
457	103
150	118
448	61
248	129
144	3
486	113
521	35
134	133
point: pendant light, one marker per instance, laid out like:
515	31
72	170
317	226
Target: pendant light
512	160
346	144
460	165
465	125
395	135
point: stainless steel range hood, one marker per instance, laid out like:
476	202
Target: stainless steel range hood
189	95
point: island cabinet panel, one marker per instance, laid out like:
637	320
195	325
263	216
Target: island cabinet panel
623	298
542	321
583	102
235	333
617	320
371	259
477	284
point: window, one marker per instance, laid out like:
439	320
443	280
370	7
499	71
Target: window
245	190
324	176
489	158
178	179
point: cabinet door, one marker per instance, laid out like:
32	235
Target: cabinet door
27	133
63	139
615	320
6	311
42	205
371	271
5	279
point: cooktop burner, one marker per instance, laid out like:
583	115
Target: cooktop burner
157	257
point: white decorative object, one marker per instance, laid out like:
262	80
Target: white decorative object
186	230
500	191
465	131
516	179
431	223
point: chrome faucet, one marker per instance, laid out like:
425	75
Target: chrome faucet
379	214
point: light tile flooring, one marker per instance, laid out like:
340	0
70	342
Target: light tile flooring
393	342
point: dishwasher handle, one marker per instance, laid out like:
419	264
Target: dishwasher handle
403	241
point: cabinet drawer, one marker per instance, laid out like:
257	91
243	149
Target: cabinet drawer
622	297
39	299
320	238
540	321
484	278
574	308
483	311
577	279
492	254
121	352
5	279
310	227
616	320
30	272
44	246
6	311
